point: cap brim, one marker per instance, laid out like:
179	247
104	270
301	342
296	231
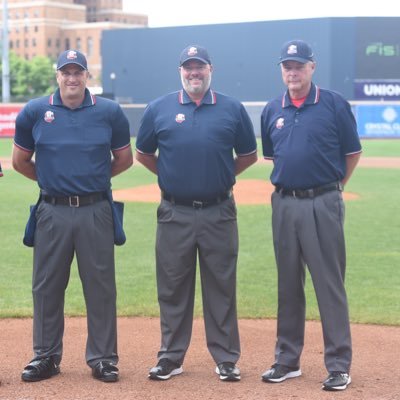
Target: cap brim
195	58
298	59
71	62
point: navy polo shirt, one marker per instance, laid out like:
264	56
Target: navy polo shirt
196	143
72	147
309	144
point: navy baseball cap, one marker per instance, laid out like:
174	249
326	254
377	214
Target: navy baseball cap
71	57
195	52
296	50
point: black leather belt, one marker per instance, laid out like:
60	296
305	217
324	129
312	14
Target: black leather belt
309	193
197	203
75	201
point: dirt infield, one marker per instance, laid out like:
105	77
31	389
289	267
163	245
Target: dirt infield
375	370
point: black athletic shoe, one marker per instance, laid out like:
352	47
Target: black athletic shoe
165	369
279	373
228	372
105	371
336	381
37	370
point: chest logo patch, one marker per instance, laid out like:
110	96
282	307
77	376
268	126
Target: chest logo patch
280	123
49	116
180	118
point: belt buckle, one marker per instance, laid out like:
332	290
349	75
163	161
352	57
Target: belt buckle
311	193
197	204
73	201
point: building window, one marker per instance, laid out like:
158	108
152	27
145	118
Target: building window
26	29
89	47
49	42
11	44
67	44
36	29
57	43
26	43
78	44
33	42
17	43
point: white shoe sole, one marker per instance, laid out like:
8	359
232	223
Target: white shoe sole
174	372
291	374
335	388
231	378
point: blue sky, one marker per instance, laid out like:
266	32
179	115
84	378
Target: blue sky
178	12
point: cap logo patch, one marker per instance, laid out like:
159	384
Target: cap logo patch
71	55
180	118
192	51
49	116
280	123
292	49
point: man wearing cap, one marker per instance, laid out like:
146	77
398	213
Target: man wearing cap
196	130
79	142
311	135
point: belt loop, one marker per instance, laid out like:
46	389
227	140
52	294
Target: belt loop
73	201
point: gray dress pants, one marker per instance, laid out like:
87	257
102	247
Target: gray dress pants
183	234
61	233
310	232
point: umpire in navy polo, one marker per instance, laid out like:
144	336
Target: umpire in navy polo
196	131
79	142
311	135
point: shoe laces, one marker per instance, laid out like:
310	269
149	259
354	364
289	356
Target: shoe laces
107	366
43	364
336	374
166	362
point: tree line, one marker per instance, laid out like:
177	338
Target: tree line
30	78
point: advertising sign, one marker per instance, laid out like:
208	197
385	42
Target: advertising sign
8	114
376	89
381	121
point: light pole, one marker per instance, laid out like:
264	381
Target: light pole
5	59
113	76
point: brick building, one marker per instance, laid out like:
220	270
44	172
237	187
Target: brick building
48	27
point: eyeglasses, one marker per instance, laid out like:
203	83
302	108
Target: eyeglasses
199	68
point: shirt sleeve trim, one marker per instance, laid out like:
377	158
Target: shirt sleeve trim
146	154
354	152
23	148
122	148
247	154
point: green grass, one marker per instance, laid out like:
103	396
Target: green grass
372	231
371	147
5	147
381	148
